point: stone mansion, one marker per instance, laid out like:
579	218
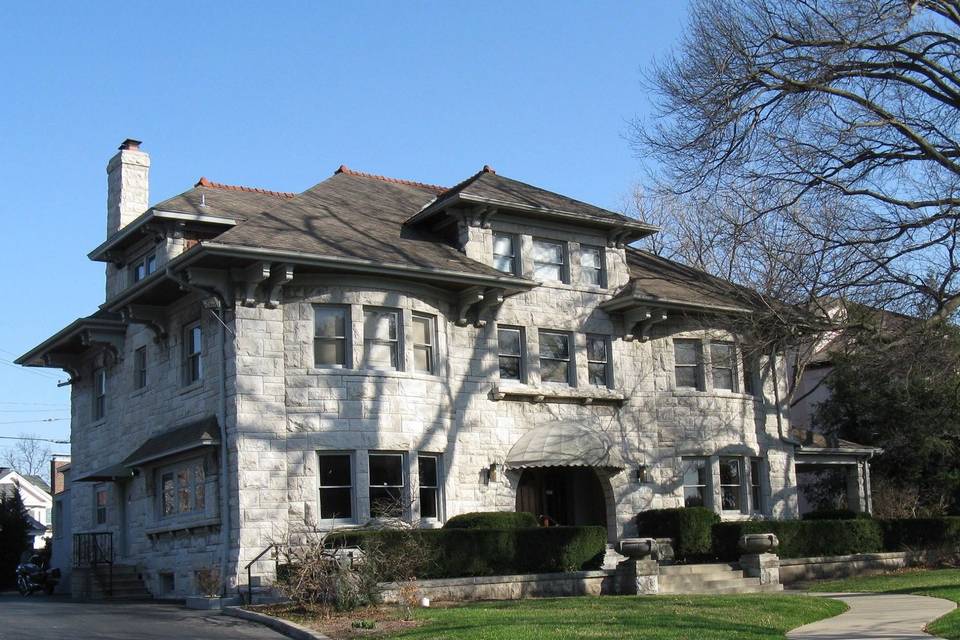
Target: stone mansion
266	362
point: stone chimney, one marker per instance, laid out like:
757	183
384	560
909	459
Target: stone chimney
128	185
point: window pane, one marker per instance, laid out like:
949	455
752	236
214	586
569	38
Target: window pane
336	503
335	471
553	371
199	489
598	373
195	340
422	330
554	345
731	498
547	252
590	257
381	355
428	503
183	490
380	325
329	351
509	341
694	473
423	359
596	348
509	368
721	354
386	470
168	494
693	497
427	469
685	352
729	471
687	377
151	264
503	245
547	272
385	502
329	322
723	379
504	263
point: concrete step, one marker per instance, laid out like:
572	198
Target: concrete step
685	569
754	588
682	583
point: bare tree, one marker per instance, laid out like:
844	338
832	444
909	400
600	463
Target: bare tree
829	131
28	456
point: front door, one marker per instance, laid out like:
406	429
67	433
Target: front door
562	496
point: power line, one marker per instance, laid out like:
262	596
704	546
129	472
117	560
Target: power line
47	410
34	439
42	374
34	404
34	421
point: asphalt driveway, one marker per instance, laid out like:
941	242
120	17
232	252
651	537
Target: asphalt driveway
40	617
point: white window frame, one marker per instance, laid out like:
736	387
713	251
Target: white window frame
601	269
514	256
195	487
740	487
520	358
697	367
569	359
564	263
702	463
606	362
344	339
190	357
140	368
429	347
401	488
99	407
351	475
436	488
395	344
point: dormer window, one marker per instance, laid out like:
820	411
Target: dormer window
505	252
549	261
144	267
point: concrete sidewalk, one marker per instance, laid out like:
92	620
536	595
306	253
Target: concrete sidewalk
876	617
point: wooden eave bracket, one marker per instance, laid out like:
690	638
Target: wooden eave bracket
280	274
112	341
476	301
69	363
216	282
247	279
154	318
617	238
478	216
638	322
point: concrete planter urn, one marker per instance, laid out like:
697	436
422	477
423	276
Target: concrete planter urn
758	543
638	548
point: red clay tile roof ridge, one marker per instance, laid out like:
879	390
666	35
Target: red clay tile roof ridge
461	185
210	184
410	183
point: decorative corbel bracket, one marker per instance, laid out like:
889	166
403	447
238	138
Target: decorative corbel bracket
248	279
491	300
478	216
116	258
638	322
468	298
214	281
112	341
616	238
154	318
280	274
67	362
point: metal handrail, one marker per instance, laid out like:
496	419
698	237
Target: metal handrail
93	548
272	545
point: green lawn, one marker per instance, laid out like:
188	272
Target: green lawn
939	583
744	617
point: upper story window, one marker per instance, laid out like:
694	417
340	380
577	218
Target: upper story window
100	505
329	336
592	270
722	365
505	252
192	352
381	341
424	339
510	353
598	360
687	356
731	484
99	393
428	472
386	485
751	375
336	486
695	475
183	489
555	361
549	260
144	267
140	368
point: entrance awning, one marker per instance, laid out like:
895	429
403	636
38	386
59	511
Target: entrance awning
564	444
108	474
195	435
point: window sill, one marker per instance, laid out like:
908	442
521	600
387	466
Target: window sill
190	388
183	526
373	373
139	392
555	393
99	422
686	392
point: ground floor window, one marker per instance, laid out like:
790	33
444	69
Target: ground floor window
731	484
183	489
336	486
100	505
429	475
756	484
695	475
386	485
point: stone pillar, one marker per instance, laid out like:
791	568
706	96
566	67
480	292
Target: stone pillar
638	577
765	566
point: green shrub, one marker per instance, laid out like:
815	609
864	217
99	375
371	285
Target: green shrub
486	552
492	520
836	514
803	538
921	533
689	527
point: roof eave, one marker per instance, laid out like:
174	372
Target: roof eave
849	451
633	300
101	253
68	333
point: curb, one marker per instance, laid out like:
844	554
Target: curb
289	629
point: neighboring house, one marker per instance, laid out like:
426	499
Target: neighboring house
271	362
35	493
62	551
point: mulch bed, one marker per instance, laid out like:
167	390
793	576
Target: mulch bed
339	625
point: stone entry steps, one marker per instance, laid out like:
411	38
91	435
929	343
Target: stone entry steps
710	578
126	584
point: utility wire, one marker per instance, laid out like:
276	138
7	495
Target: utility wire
34	421
35	404
34	439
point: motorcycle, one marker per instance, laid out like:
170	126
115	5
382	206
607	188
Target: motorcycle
33	575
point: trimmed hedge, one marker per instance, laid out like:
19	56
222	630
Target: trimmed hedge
803	538
455	553
492	520
690	528
921	534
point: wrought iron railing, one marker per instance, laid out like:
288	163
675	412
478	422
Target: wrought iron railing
94	550
276	551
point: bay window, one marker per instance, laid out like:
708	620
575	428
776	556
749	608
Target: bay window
183	489
381	341
330	336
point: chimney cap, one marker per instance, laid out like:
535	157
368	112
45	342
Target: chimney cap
130	143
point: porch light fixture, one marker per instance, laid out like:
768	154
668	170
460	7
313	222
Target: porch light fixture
642	474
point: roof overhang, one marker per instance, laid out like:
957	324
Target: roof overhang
62	349
856	452
109	250
111	473
634	299
189	437
618	231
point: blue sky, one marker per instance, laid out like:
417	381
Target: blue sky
278	95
